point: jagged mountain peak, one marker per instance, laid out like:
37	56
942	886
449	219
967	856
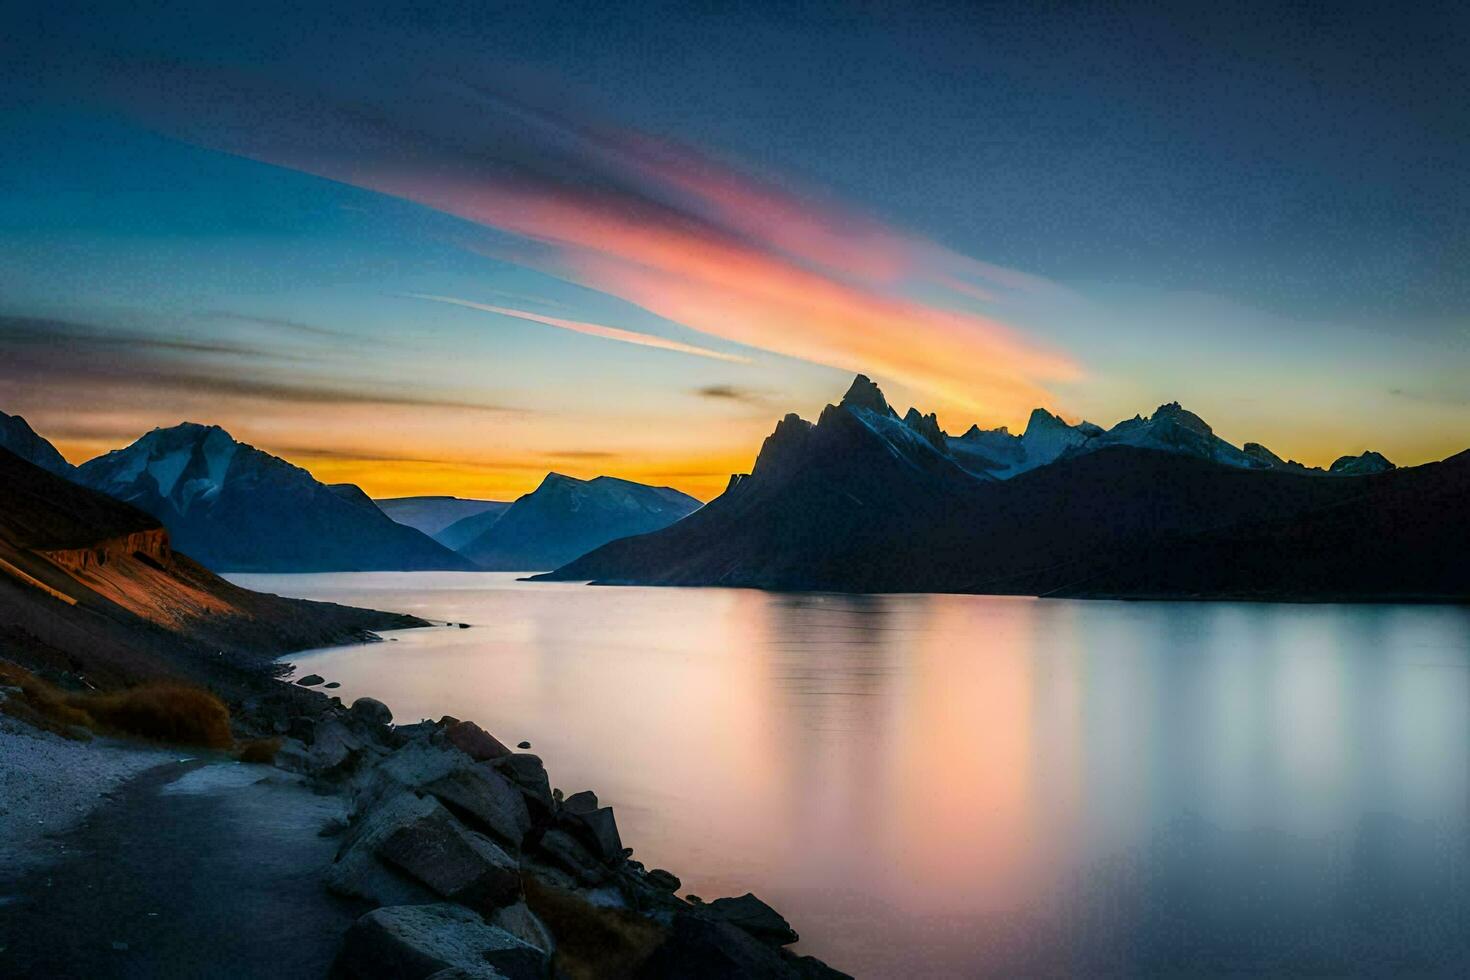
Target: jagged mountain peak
1041	420
1179	415
928	427
1368	462
17	436
863	393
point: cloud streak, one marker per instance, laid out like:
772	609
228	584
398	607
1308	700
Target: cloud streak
666	227
64	362
590	329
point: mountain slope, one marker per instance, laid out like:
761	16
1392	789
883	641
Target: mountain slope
237	508
835	507
19	438
432	515
91	586
566	517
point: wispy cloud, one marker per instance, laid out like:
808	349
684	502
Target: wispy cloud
591	329
736	393
683	235
65	362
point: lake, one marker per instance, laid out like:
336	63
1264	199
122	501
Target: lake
936	785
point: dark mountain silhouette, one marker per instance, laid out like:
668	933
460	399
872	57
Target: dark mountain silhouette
236	508
92	587
565	517
433	515
18	437
854	504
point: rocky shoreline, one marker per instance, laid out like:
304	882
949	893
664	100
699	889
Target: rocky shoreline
473	866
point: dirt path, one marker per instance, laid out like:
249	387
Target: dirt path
193	869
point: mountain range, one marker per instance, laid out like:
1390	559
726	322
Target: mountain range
93	588
565	517
866	501
238	508
433	515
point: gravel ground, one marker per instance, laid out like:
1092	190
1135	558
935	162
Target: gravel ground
48	785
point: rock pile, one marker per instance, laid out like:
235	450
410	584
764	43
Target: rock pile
478	870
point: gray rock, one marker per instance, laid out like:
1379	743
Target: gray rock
370	711
523	745
451	860
334	749
715	950
521	922
583	802
595	825
528	773
755	917
486	800
420	941
311	680
412	766
664	881
419	729
475	742
332	685
566	852
293	756
598	830
357	871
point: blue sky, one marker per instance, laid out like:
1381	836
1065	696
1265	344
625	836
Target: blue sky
232	215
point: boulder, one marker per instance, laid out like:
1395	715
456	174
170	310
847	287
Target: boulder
475	742
583	802
409	849
358	873
412	766
664	881
293	756
594	824
453	861
599	831
335	748
311	680
566	852
755	917
419	941
528	773
486	800
525	925
419	729
715	950
370	711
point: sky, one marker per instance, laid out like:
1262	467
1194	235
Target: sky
452	247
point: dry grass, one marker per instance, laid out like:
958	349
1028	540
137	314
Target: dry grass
173	713
261	751
592	942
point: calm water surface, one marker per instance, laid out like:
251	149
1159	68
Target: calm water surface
935	785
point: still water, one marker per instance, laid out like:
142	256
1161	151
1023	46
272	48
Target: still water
933	785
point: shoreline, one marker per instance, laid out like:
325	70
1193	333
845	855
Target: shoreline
452	841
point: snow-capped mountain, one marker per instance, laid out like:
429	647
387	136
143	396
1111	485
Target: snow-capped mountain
1368	462
565	517
236	508
865	501
17	436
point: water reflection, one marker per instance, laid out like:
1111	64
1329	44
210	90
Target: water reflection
948	785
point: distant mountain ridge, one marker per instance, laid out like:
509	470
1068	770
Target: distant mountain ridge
18	437
566	517
865	501
432	515
237	508
94	587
